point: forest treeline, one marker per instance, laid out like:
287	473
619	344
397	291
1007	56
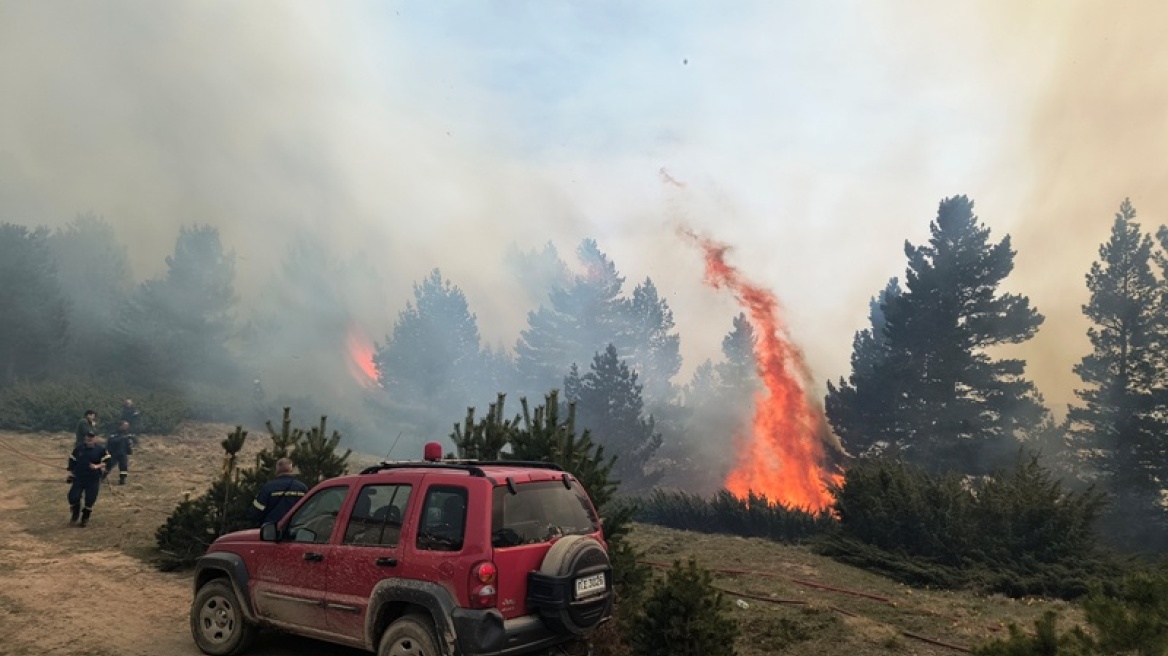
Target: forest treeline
932	383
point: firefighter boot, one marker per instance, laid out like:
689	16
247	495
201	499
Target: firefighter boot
74	513
85	517
122	478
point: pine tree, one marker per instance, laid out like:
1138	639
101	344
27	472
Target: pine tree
860	410
738	372
1118	416
93	270
222	508
684	615
486	438
33	321
315	455
655	348
578	319
177	327
610	406
430	365
954	407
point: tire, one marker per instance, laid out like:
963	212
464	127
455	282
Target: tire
218	624
568	556
412	635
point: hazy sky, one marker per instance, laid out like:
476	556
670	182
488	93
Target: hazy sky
813	137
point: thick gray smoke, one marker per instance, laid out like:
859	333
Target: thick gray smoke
389	136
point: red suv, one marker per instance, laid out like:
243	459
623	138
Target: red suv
419	558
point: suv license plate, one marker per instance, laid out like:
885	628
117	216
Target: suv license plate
589	585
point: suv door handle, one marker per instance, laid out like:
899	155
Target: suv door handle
312	556
386	562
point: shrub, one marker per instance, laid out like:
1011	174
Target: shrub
683	615
755	516
54	406
1017	532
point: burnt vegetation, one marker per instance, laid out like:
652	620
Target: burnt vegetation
957	474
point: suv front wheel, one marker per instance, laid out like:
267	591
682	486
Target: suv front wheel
217	622
411	635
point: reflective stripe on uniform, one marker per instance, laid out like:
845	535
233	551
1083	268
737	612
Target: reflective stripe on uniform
288	493
258	505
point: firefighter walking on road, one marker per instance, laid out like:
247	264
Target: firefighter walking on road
120	448
86	467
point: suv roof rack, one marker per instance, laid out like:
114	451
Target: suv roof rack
473	467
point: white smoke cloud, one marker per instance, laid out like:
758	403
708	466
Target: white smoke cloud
814	139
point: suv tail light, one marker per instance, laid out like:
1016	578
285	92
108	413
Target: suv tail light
484	585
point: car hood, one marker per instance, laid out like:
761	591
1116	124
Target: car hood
246	535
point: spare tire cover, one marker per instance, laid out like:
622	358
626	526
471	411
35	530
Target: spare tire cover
569	556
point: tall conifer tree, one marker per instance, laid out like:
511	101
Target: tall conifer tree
1117	418
577	321
611	407
953	406
860	410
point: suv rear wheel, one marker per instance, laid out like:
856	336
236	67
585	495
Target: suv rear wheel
217	622
412	635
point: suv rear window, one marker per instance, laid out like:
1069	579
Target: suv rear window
539	512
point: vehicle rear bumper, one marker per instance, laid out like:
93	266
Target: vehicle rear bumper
486	633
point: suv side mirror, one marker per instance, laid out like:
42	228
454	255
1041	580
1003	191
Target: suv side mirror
269	532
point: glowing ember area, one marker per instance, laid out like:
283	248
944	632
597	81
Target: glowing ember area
784	457
361	357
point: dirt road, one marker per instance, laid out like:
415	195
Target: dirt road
72	591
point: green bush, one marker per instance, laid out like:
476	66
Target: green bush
683	615
755	516
1017	532
1135	620
53	406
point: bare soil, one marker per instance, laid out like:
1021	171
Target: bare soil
95	591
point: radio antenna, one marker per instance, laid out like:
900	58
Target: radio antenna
392	446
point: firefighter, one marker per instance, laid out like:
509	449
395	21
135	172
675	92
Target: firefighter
87	423
86	466
120	448
278	495
130	413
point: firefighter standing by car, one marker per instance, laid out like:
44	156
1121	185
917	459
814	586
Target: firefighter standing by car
86	467
120	447
278	495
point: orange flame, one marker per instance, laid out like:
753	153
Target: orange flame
361	357
784	457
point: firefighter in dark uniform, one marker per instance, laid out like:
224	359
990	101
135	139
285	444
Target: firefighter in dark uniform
130	413
278	495
87	423
86	466
120	447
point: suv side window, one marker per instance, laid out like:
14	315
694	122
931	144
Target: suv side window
443	519
377	515
314	521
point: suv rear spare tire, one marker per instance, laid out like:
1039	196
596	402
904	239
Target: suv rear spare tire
573	588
